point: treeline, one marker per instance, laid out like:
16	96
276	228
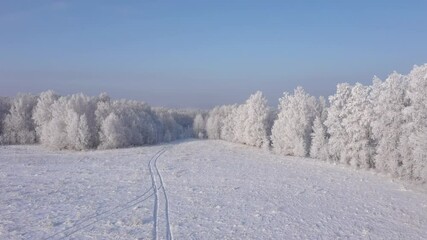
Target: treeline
382	126
81	122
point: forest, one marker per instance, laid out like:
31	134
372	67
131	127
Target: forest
382	126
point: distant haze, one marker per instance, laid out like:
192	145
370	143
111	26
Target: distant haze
204	53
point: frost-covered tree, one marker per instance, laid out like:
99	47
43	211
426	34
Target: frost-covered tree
414	129
246	123
42	113
419	166
184	118
255	122
322	109
4	110
18	125
390	99
349	126
214	123
357	117
334	123
319	136
78	132
199	126
170	129
291	133
80	122
127	123
272	116
114	133
319	141
230	122
72	124
235	123
221	122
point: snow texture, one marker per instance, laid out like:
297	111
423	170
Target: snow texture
204	189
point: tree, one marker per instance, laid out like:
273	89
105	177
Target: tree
184	118
78	132
414	129
246	123
359	147
113	133
199	126
319	136
4	110
214	123
170	129
390	99
319	142
291	133
255	123
18	125
127	123
230	123
70	123
334	123
42	113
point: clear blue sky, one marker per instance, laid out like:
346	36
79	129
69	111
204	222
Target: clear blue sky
204	53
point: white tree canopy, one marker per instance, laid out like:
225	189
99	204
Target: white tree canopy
291	133
18	125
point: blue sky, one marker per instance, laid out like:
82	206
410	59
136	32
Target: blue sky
205	53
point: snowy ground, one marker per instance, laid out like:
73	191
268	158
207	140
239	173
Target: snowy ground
211	190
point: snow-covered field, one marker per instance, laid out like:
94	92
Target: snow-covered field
198	190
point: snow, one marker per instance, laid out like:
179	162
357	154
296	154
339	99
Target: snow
204	189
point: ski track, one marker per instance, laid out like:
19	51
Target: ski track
217	190
110	212
162	185
155	173
152	165
100	216
90	224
